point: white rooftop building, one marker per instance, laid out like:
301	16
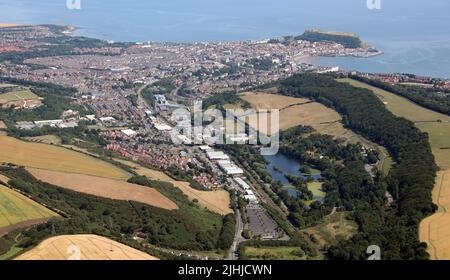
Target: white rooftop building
129	132
251	198
162	127
229	167
51	123
90	117
242	184
107	119
211	154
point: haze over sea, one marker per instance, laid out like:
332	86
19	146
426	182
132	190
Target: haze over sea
414	34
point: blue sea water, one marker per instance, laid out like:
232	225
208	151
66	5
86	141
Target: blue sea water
414	34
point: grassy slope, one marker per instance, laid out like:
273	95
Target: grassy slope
332	228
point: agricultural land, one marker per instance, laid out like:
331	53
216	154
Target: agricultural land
55	158
91	247
216	201
104	187
17	211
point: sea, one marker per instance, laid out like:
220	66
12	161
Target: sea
413	34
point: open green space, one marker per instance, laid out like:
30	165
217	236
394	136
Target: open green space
333	228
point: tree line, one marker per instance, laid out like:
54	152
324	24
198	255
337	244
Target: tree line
394	228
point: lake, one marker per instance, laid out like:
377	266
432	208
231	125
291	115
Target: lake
280	164
413	34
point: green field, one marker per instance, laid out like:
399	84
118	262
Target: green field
14	251
17	96
333	228
276	253
49	157
16	208
316	189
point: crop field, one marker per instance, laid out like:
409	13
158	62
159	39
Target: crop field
55	158
216	201
46	139
435	230
104	187
86	247
275	253
18	211
333	228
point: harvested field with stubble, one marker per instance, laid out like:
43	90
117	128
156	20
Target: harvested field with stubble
298	111
104	187
54	158
216	201
89	247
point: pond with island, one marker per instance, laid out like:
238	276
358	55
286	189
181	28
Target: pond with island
280	165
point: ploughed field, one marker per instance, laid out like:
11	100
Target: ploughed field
83	247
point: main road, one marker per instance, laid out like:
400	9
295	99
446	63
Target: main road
234	254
